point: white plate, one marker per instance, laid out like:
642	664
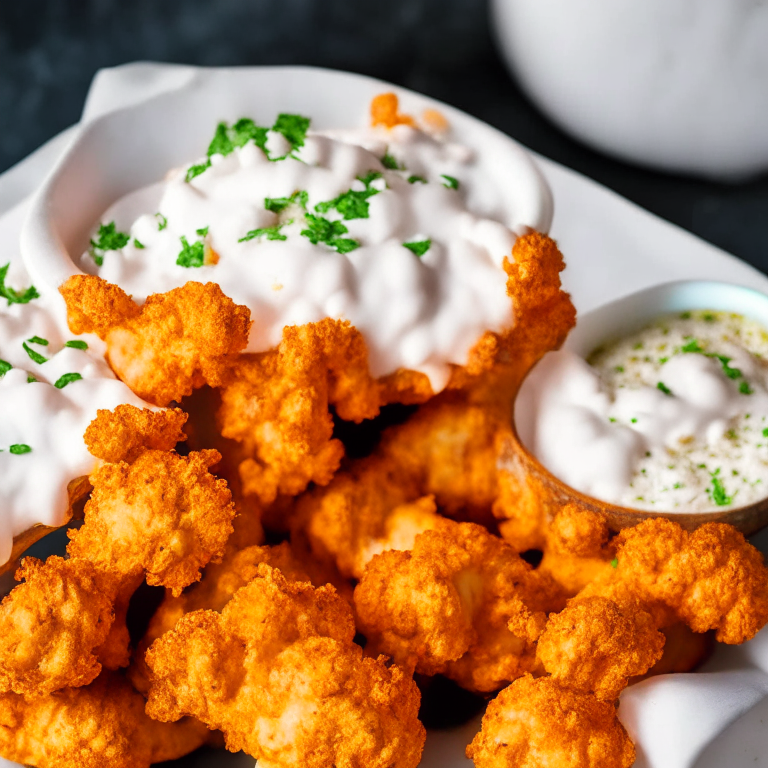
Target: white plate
613	248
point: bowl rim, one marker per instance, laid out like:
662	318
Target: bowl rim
649	303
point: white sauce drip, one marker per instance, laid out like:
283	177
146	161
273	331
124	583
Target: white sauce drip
415	313
609	431
50	421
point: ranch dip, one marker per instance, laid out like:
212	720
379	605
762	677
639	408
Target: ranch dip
673	418
371	226
52	383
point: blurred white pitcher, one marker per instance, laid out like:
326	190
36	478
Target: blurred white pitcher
680	85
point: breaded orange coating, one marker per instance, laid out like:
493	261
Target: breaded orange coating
578	657
176	342
277	406
461	603
536	723
384	111
126	432
278	673
164	514
51	626
103	724
711	578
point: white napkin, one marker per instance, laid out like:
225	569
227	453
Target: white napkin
710	719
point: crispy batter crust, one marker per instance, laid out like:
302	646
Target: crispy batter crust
535	723
92	727
278	673
176	342
461	603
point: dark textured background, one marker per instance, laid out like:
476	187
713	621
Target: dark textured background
50	49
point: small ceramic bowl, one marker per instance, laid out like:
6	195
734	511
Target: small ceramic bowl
612	322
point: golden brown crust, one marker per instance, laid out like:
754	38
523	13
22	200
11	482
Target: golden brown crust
461	603
164	514
278	673
176	342
102	724
126	432
535	723
52	625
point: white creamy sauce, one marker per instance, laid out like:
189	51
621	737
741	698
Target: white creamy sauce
43	423
673	418
419	312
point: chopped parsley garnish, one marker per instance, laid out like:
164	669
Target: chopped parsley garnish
67	378
293	127
708	317
389	162
353	204
108	238
633	421
320	230
719	496
12	296
271	233
664	388
416	179
615	562
202	232
765	432
685	315
162	222
19	448
31	379
33	355
745	389
450	182
191	255
419	247
619	369
732	373
139	245
279	204
76	344
5	366
195	170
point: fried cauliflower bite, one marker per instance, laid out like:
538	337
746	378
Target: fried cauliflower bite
164	515
52	626
536	723
461	603
712	579
101	724
384	111
596	644
277	406
126	432
278	673
176	342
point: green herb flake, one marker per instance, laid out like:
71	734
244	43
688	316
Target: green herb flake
31	379
353	204
76	344
416	179
20	448
615	562
389	162
419	247
162	222
450	181
719	496
633	421
663	360
320	230
692	346
611	419
685	315
5	366
67	378
108	238
12	296
293	127
664	388
34	355
745	389
271	233
708	317
38	340
139	245
191	255
619	369
765	432
195	170
202	232
279	204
